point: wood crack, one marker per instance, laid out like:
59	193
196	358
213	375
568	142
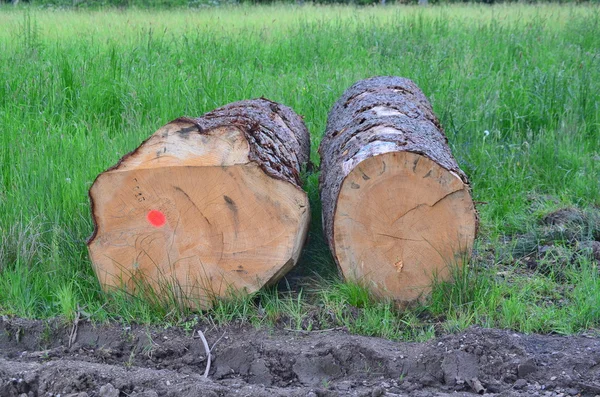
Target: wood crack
177	188
398	238
425	204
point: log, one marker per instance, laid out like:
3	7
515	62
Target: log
206	206
397	209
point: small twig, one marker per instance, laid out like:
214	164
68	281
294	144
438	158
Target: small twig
214	344
316	331
218	340
212	322
41	353
73	334
207	350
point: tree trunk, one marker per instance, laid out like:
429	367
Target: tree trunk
205	207
397	209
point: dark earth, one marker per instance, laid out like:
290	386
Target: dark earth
115	360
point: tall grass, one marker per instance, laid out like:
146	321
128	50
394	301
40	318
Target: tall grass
516	87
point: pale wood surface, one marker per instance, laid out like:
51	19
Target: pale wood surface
401	220
188	210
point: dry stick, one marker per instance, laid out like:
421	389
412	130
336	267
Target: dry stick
73	334
207	350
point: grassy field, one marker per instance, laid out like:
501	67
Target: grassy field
516	87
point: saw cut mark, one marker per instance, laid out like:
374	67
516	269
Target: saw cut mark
399	266
156	218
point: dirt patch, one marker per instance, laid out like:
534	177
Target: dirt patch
560	239
113	361
564	216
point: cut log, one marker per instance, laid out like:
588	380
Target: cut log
205	207
397	210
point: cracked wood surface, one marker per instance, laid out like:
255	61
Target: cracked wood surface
397	209
205	206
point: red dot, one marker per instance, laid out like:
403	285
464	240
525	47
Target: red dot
156	218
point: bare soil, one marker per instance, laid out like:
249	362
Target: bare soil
40	358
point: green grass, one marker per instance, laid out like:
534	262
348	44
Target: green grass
517	88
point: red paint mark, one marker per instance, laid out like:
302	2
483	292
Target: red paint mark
156	218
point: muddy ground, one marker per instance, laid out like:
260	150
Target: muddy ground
114	360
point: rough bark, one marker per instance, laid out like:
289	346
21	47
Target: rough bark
376	117
279	141
209	205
